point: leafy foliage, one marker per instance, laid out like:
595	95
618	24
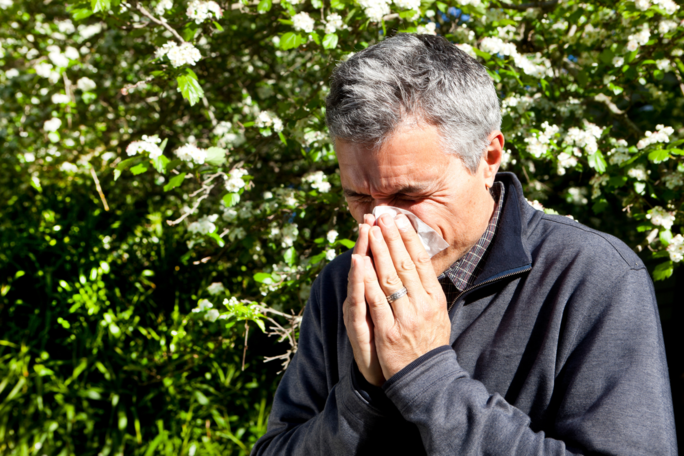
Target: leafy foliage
210	118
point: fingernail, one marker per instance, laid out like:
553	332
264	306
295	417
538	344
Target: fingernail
402	222
377	232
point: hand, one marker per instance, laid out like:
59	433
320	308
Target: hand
417	322
355	311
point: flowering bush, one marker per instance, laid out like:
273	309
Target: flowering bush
217	109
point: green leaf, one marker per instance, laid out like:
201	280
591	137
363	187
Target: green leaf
201	398
598	162
100	5
264	6
665	237
290	256
163	144
663	271
318	4
217	238
189	87
160	163
442	7
173	163
317	258
599	206
282	137
218	26
347	243
175	181
216	156
337	4
316	37
78	14
123	420
658	156
231	199
263	277
290	40
482	54
125	165
139	169
330	41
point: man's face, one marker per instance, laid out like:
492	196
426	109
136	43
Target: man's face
412	172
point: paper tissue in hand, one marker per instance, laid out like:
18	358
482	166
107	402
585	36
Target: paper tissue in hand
432	241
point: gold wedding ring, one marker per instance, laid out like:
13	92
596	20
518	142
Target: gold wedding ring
394	296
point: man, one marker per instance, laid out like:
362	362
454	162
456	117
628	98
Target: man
530	334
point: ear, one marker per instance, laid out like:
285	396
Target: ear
492	157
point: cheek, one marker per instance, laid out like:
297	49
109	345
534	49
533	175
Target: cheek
358	210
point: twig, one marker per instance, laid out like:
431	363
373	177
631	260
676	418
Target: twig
159	22
99	189
128	88
210	111
244	352
194	208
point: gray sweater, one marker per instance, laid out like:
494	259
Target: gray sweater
555	349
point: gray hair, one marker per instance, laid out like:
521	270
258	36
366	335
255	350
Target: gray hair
414	78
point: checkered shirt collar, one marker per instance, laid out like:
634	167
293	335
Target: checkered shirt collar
465	270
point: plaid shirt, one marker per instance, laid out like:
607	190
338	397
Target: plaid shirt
463	273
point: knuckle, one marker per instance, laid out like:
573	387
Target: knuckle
407	265
392	281
423	259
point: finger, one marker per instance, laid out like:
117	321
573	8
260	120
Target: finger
354	307
369	219
388	279
380	310
401	259
421	259
361	247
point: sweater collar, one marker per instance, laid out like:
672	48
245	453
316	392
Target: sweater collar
508	252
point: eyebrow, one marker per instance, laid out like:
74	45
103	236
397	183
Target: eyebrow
406	190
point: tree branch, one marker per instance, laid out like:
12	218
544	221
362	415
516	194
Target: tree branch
526	6
147	14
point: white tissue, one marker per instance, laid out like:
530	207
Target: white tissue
432	241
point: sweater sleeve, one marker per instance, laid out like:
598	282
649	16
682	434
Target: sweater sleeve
312	412
612	392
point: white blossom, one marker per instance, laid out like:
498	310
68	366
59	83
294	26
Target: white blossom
427	29
207	308
408	4
638	173
661	135
235	182
4	4
664	64
661	217
620	153
330	254
200	11
598	181
676	248
191	153
289	234
468	49
237	233
148	144
666	26
565	160
673	180
216	288
585	138
618	61
86	31
60	98
52	124
12	73
65	26
68	167
642	5
211	315
639	39
204	225
318	180
331	236
333	23
303	22
163	6
669	6
375	10
185	54
537	145
43	69
86	84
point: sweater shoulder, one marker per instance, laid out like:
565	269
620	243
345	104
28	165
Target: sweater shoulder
574	238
